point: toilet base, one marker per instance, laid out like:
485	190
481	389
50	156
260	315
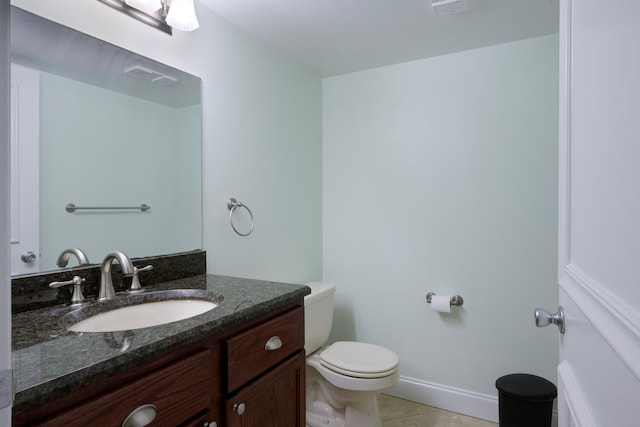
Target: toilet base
328	406
364	413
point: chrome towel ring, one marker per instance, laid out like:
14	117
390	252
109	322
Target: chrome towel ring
232	205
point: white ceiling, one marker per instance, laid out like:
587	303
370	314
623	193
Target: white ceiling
335	37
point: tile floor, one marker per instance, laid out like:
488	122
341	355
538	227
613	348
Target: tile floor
397	412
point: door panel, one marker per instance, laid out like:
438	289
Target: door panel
604	130
599	213
602	390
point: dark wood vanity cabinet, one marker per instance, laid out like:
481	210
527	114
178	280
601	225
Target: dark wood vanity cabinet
178	393
249	375
265	374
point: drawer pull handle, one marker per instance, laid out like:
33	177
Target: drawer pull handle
274	343
141	416
239	408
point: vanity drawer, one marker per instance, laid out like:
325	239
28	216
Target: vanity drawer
178	392
255	350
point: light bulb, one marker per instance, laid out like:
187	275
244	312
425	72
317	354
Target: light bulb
182	15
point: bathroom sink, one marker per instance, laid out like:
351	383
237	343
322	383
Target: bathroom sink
135	311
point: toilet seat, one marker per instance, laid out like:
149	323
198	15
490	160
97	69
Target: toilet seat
359	360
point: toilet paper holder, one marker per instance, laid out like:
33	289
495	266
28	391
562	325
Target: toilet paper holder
455	300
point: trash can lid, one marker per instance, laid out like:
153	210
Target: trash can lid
527	387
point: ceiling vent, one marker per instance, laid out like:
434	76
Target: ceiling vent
448	7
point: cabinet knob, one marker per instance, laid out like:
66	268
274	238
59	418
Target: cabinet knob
273	343
239	408
141	416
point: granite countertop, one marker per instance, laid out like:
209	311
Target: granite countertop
49	362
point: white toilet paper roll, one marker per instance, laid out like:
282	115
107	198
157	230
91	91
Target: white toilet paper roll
441	303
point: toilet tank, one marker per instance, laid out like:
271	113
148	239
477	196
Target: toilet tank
318	315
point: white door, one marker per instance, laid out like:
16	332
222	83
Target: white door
599	242
25	176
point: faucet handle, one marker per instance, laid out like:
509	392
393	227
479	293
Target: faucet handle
137	270
77	298
135	282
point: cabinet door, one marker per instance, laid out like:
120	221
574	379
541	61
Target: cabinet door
273	400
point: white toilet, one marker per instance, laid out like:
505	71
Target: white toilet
343	379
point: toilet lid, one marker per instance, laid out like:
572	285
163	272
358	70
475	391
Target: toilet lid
359	359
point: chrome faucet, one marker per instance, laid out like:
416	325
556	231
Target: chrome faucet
63	258
106	284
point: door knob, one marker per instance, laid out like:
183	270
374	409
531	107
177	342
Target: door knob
544	318
28	257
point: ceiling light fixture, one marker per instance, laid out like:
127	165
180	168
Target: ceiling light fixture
182	15
147	6
448	7
164	15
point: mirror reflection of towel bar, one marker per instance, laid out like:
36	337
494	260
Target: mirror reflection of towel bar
71	208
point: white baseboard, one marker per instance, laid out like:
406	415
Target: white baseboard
452	399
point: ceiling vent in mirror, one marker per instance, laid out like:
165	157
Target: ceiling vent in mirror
448	7
164	80
140	72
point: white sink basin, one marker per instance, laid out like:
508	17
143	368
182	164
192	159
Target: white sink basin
139	311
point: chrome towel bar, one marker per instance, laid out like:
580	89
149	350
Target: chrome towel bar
71	208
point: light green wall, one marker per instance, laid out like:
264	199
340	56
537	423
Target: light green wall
103	148
440	175
262	120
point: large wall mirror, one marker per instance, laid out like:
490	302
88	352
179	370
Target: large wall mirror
97	126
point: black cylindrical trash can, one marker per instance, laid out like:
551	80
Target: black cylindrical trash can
525	400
